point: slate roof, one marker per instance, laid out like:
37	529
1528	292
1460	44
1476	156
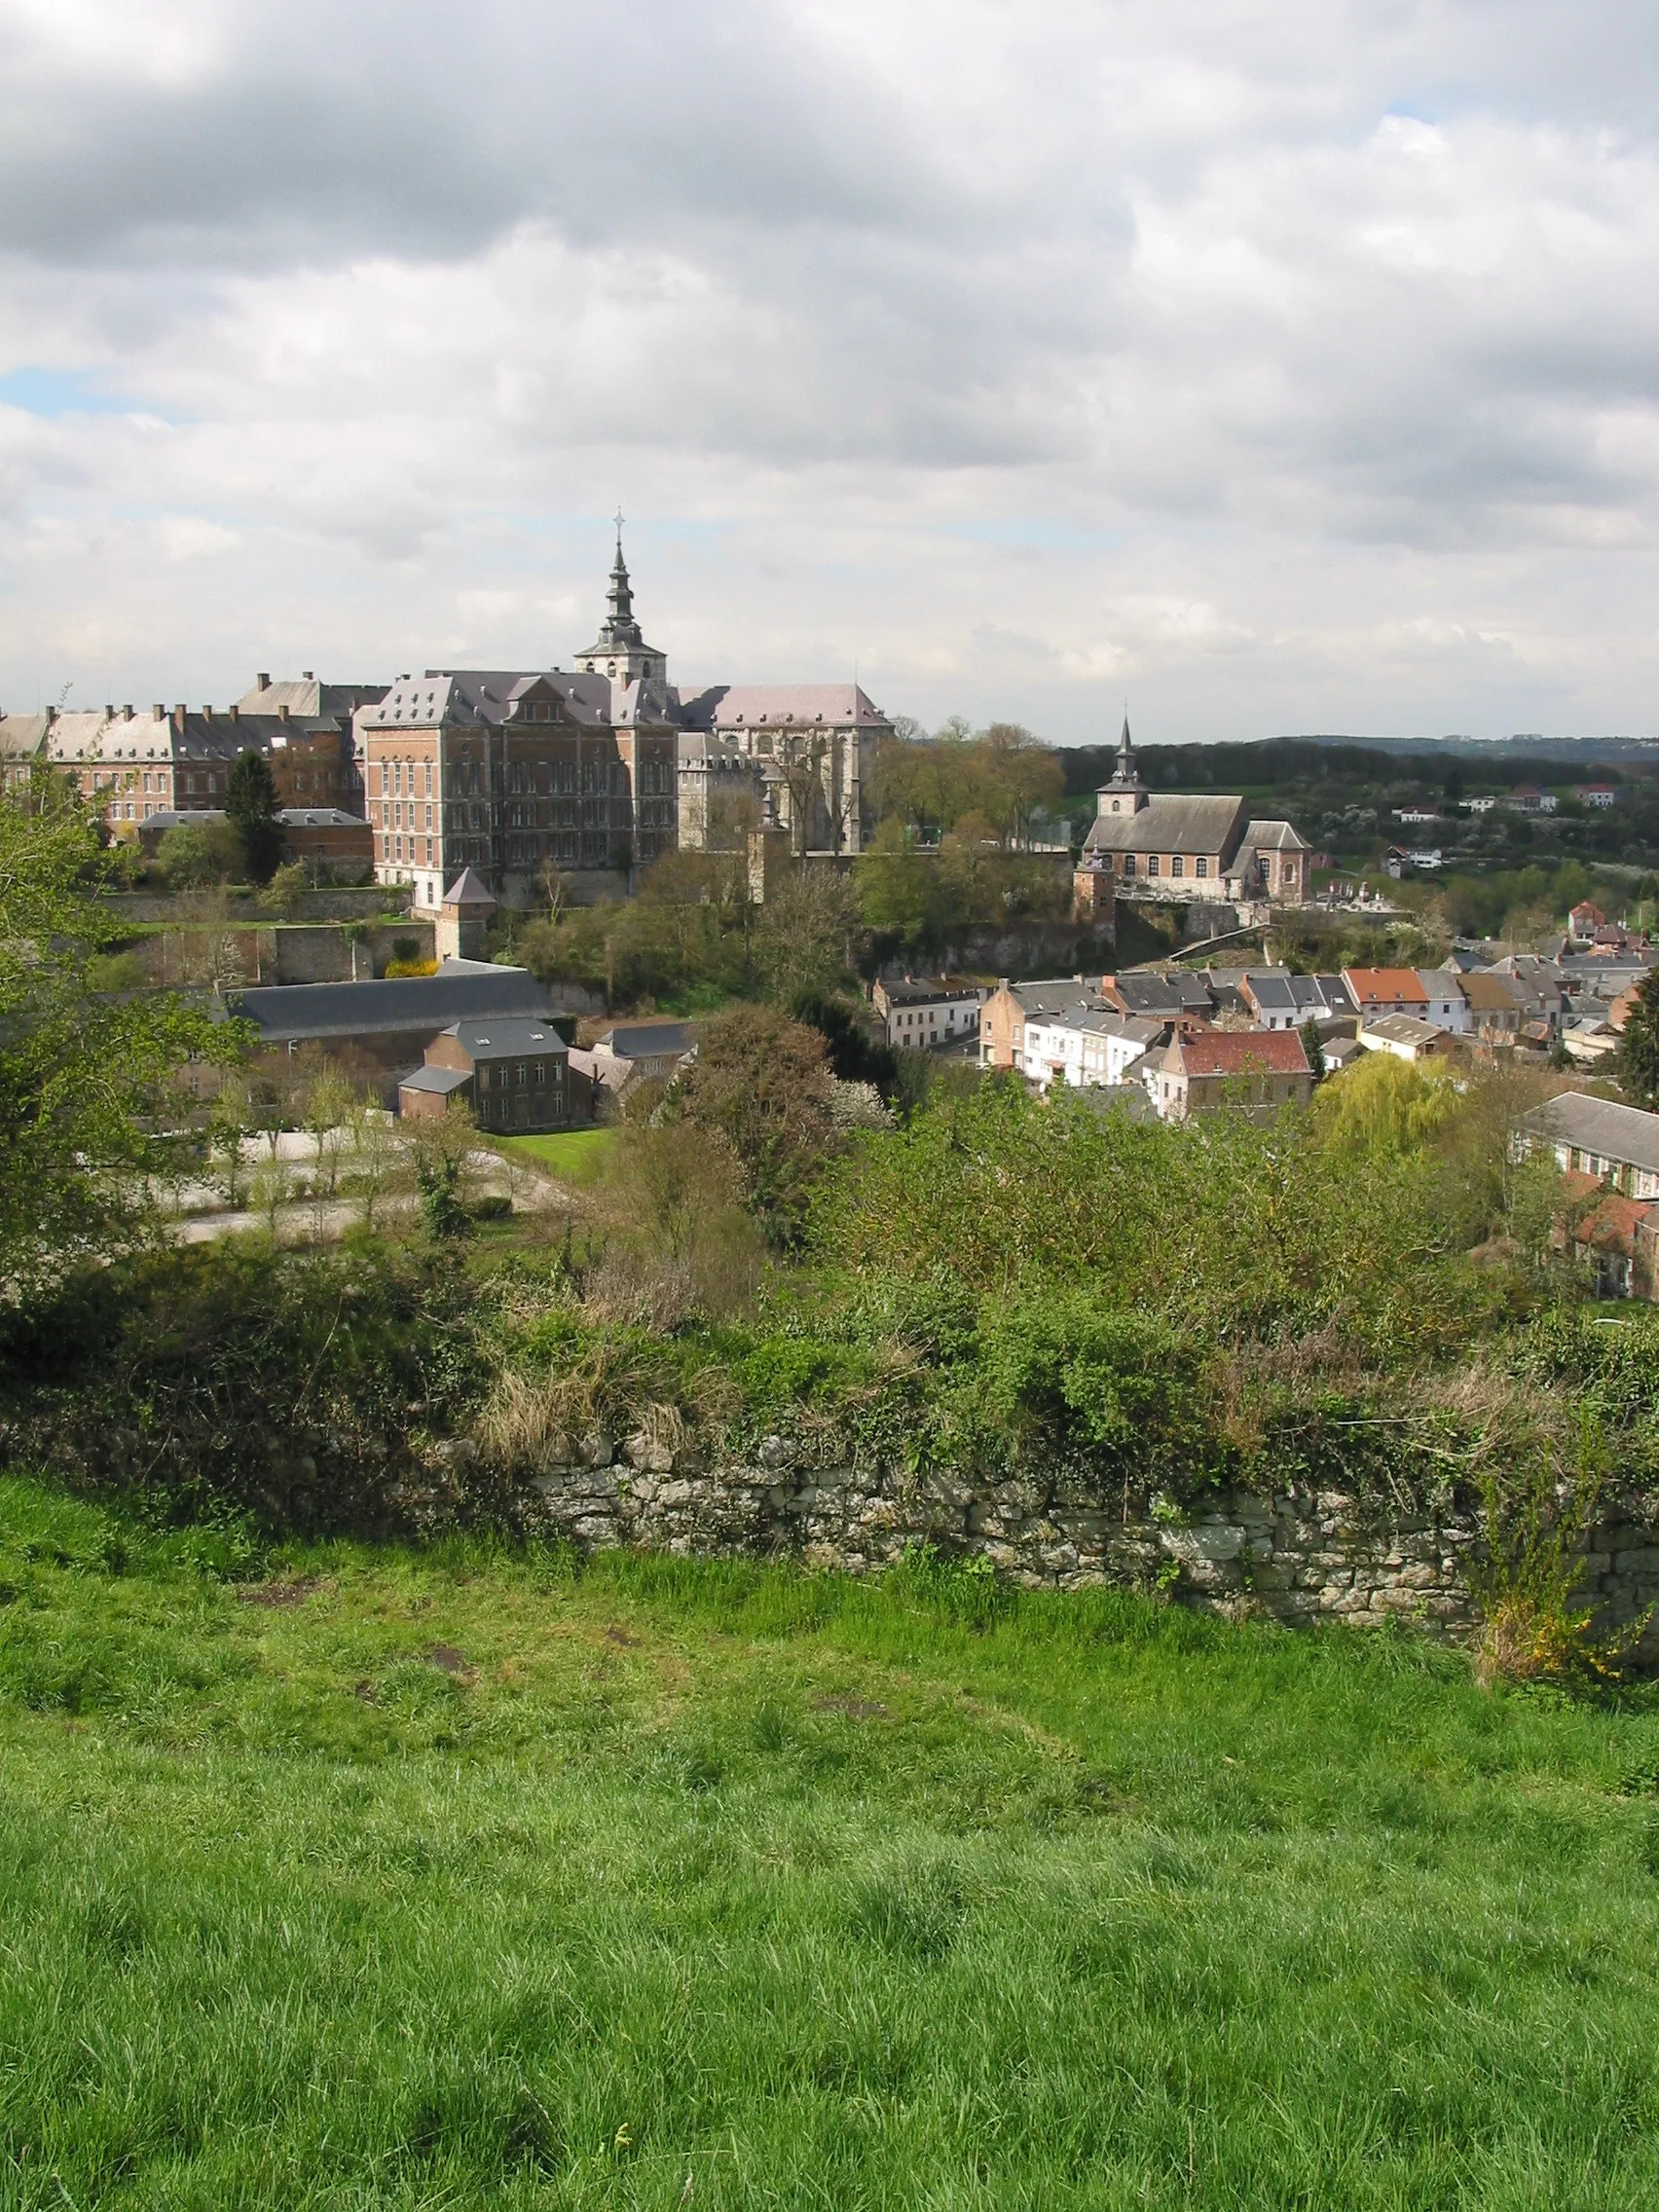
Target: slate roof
1273	837
1144	991
647	1040
469	890
1169	823
767	705
298	1013
1276	990
441	1081
506	1038
1624	1134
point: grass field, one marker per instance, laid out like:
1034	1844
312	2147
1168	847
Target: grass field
379	1878
572	1155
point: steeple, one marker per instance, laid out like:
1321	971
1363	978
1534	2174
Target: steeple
1126	794
621	629
620	651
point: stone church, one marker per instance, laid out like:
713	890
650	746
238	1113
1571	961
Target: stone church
1176	845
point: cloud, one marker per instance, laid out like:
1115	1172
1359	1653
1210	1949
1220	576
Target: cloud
1293	366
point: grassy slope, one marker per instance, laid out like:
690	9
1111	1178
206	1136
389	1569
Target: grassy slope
817	1893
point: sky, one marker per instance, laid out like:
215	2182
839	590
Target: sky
1264	368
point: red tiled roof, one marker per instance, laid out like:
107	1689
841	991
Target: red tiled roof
1385	986
1243	1051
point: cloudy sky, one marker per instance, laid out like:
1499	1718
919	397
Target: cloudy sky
1276	367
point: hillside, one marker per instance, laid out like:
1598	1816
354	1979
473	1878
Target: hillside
384	1878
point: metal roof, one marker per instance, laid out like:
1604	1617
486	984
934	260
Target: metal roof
298	1013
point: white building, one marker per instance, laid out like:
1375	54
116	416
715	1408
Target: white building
924	1012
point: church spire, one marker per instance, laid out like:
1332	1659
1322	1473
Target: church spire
1125	752
620	597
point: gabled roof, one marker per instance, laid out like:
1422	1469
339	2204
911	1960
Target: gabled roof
1487	994
1170	822
767	705
1404	1029
1145	992
295	1013
504	1038
1385	986
646	1040
1240	1052
1624	1133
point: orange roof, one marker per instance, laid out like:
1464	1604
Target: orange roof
1385	986
1243	1051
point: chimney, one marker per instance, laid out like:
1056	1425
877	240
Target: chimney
309	675
206	714
180	714
51	716
283	710
109	711
262	682
157	713
127	712
235	713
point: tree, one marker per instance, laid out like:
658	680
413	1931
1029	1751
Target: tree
282	895
90	1086
760	1085
250	808
441	1151
895	884
856	1056
1639	1046
1314	1045
196	856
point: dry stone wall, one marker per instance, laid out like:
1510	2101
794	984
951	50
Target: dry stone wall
1295	1556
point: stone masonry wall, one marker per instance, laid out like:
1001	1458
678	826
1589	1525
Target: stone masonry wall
1297	1556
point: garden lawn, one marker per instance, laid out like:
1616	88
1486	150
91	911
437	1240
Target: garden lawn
357	1877
572	1155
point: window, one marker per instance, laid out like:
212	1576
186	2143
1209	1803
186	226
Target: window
1152	863
1200	866
519	1075
1178	866
1128	863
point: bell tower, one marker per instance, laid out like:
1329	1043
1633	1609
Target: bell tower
1124	793
620	651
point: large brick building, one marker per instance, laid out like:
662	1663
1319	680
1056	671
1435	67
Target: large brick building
133	763
603	766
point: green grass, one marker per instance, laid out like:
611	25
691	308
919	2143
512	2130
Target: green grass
574	1156
462	1878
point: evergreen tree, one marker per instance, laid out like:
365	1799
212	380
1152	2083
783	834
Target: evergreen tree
1638	1049
1312	1044
250	807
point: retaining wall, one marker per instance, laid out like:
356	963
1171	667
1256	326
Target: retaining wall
1295	1556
